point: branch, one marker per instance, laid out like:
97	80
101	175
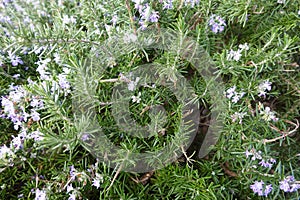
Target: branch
284	133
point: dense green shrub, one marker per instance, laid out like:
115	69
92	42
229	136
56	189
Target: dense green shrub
47	53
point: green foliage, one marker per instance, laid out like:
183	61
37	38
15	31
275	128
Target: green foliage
71	56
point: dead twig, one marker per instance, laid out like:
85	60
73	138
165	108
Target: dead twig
144	179
284	133
227	171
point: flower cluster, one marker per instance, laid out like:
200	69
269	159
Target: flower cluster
137	98
238	116
168	4
40	194
267	114
261	189
263	87
233	95
6	155
131	84
14	59
289	185
42	67
14	106
256	155
68	20
97	180
236	55
62	82
74	175
94	177
146	12
216	23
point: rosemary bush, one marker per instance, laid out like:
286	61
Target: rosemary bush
64	65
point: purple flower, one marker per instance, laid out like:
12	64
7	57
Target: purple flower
294	187
248	153
230	92
17	93
35	115
62	81
15	60
138	5
17	142
143	25
96	183
149	15
5	151
168	5
85	137
234	55
263	87
42	67
289	185
268	189
265	164
8	105
70	188
36	135
284	185
146	12
40	194
154	16
72	197
258	187
16	76
36	103
216	23
290	178
17	124
72	172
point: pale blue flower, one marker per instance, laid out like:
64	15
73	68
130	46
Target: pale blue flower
289	185
216	23
96	183
154	16
265	163
63	82
70	188
35	115
259	189
267	190
168	4
15	60
257	186
72	197
284	185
